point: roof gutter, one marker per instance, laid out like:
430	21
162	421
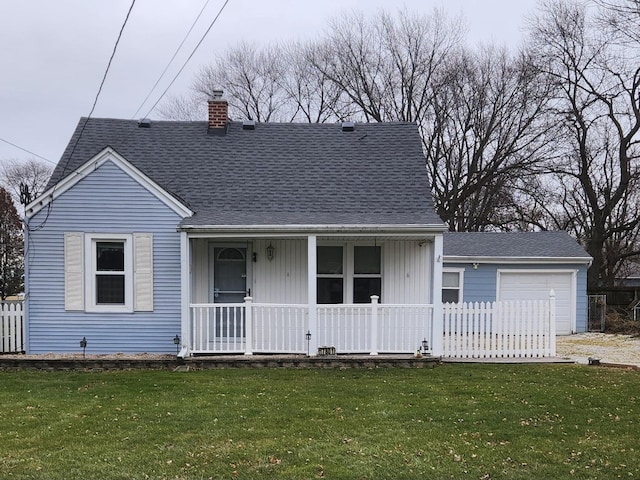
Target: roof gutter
482	259
319	229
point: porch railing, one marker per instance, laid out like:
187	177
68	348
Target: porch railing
474	330
280	328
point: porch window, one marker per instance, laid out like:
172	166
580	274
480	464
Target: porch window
348	273
367	275
330	274
452	285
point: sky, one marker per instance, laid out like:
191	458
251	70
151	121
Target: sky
53	54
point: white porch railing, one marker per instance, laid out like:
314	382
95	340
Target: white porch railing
500	329
279	328
478	330
11	327
218	328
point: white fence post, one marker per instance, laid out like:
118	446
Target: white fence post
374	324
248	326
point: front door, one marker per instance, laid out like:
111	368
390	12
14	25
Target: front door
229	286
229	275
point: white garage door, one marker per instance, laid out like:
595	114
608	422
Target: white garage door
533	285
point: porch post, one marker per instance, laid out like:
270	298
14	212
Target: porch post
248	326
552	323
312	294
185	295
436	297
374	324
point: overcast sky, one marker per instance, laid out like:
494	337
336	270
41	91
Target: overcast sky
53	54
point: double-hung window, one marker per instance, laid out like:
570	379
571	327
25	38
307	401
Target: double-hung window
110	269
348	273
330	265
108	272
452	281
367	273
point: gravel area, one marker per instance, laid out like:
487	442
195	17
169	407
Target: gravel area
608	348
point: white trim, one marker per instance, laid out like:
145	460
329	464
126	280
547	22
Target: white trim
517	260
460	272
90	272
328	230
106	155
573	293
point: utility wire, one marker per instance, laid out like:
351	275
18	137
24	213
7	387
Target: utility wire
172	59
187	60
95	102
75	144
28	151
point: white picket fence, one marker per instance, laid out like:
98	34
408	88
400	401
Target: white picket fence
513	329
11	327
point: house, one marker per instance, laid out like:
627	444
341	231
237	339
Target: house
487	266
235	237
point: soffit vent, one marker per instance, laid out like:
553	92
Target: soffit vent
348	126
144	123
248	124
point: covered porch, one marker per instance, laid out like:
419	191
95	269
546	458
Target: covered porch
366	292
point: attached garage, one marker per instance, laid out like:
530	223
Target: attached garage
488	266
536	285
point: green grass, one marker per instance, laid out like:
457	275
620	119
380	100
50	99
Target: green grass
454	421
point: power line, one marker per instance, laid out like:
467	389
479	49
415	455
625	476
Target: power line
95	102
28	151
171	60
189	58
75	144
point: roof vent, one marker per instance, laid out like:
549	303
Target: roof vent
248	124
144	123
348	126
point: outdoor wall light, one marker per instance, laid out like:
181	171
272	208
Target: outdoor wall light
308	337
475	266
270	252
83	346
425	345
176	342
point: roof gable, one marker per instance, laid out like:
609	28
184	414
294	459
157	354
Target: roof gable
106	155
276	174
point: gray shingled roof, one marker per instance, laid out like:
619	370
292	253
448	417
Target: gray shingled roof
512	244
279	173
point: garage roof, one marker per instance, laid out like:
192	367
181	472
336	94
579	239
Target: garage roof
520	245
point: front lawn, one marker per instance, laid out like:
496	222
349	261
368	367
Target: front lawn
454	421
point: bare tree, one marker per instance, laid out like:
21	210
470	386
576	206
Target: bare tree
386	64
485	136
11	249
25	180
597	110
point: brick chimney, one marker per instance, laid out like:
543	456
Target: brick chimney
218	111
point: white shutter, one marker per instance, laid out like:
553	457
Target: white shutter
74	271
143	272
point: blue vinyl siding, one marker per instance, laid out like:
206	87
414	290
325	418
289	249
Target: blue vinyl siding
106	201
480	285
